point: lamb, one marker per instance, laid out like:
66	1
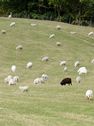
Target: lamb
58	27
45	58
19	47
38	80
16	79
76	64
62	63
23	88
66	81
29	65
90	33
3	31
13	68
7	79
82	70
78	79
45	77
11	82
89	94
12	24
51	36
58	43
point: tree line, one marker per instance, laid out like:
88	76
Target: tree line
79	12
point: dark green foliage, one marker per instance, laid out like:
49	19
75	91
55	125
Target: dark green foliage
71	11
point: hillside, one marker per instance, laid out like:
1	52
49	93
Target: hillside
48	104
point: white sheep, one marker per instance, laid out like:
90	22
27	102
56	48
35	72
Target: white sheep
3	31
12	24
23	88
20	47
16	79
45	77
76	64
29	65
72	32
82	70
38	80
7	79
33	24
62	63
58	43
65	68
13	68
58	27
10	15
51	36
11	82
90	33
78	79
45	58
89	94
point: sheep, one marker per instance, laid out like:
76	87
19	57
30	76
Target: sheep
3	31
38	80
33	25
23	88
66	81
45	58
58	43
10	15
58	27
19	47
29	65
89	94
45	77
72	32
11	82
65	68
51	36
13	68
78	79
76	64
16	78
62	63
82	70
90	33
7	79
12	24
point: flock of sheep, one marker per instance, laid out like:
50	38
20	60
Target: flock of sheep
13	80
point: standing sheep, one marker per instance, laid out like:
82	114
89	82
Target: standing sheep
89	94
66	81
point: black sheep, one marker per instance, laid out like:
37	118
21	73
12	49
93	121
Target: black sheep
66	81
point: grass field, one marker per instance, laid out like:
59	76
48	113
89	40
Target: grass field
48	104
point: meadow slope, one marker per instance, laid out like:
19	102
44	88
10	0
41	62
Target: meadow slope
48	104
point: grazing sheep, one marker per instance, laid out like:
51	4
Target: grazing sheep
19	47
65	68
66	81
45	58
58	43
7	79
89	94
11	82
13	68
90	33
23	88
45	77
62	63
33	25
78	79
38	80
82	70
51	36
76	64
58	27
3	31
72	33
12	24
29	65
